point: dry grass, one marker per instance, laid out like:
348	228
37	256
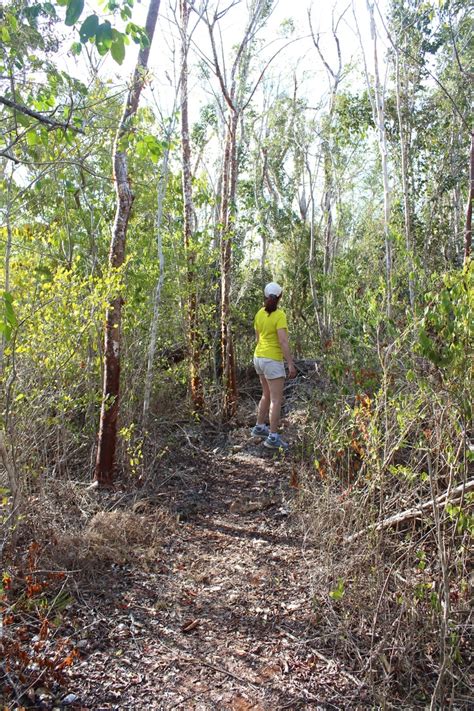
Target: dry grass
82	530
395	603
118	537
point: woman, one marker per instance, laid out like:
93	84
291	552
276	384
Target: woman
272	347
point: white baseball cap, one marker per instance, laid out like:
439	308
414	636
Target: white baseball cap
273	289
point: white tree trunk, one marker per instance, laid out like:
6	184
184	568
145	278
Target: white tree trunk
405	182
382	140
163	183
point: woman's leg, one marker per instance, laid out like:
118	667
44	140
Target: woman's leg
276	397
264	404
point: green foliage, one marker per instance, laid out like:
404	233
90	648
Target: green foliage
8	320
463	519
89	28
339	591
446	334
74	11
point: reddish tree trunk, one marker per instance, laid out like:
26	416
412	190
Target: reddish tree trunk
107	438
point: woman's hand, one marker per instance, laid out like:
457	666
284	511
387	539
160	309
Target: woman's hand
283	339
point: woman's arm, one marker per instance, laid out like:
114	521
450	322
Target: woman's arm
283	339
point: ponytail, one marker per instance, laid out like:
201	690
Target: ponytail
271	303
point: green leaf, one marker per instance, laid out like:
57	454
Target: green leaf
32	139
425	343
74	11
339	591
8	320
117	50
103	37
13	22
89	28
76	48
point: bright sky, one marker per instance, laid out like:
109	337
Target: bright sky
299	56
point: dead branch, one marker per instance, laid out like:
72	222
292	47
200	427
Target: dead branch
410	514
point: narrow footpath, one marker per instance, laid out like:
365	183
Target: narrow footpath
223	618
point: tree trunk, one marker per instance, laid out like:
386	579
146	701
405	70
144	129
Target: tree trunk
405	183
197	395
229	187
468	231
159	285
234	98
311	256
8	249
334	78
382	136
107	439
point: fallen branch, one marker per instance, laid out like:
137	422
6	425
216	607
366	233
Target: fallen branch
410	514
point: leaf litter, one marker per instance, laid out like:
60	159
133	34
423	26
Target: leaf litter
203	602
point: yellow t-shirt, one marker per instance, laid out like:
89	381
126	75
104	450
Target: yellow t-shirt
267	325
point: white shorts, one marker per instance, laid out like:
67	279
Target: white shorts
269	368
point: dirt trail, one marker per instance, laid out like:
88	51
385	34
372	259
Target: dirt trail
224	620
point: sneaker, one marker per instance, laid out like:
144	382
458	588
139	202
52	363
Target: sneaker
260	431
274	441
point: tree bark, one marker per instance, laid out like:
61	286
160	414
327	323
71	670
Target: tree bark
405	181
107	438
312	252
159	285
468	230
229	187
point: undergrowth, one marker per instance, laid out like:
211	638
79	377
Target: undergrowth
391	510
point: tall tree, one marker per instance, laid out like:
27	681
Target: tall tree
335	75
237	97
377	98
470	197
189	237
162	186
107	438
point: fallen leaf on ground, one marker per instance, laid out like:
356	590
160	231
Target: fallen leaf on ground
189	626
241	704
